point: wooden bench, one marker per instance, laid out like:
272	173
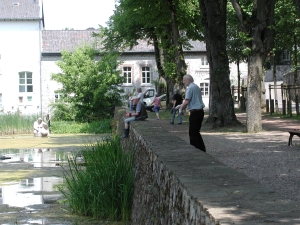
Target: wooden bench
292	133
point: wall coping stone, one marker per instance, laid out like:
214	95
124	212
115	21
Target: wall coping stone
178	184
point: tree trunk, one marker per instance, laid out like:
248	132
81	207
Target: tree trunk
275	84
178	51
221	106
295	59
258	26
157	54
239	83
253	108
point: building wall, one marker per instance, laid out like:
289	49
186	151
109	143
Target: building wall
20	51
135	61
48	67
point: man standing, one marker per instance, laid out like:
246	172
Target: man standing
193	100
177	100
139	114
140	94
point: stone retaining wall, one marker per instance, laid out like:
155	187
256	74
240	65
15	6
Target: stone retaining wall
159	196
178	184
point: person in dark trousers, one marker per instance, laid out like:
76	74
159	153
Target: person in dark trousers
177	100
193	101
139	114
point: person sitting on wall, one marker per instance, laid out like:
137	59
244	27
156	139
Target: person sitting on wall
40	128
139	114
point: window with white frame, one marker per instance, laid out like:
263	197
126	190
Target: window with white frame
25	82
286	55
204	89
204	61
146	75
127	75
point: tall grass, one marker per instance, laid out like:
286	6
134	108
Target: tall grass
16	123
102	185
23	124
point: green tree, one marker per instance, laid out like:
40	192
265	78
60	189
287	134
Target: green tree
221	108
90	87
236	44
257	21
165	24
287	25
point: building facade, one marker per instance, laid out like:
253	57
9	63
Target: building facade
21	24
28	56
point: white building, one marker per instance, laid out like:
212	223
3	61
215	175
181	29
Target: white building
21	23
28	54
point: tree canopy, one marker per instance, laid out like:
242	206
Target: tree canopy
89	87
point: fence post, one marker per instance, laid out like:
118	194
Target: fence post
289	101
283	96
272	106
270	100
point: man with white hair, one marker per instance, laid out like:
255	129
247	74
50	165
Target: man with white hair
193	101
139	114
40	128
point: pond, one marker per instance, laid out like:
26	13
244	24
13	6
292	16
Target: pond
33	191
37	157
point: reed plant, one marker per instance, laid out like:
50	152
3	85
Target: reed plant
100	186
16	123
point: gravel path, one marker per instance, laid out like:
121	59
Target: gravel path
264	157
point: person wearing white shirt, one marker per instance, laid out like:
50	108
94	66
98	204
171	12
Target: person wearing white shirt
40	128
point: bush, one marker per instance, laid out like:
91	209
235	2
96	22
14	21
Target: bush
71	127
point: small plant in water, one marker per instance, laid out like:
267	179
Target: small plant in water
99	181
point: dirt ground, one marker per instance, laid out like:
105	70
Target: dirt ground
54	213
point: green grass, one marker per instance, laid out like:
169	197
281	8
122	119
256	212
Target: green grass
100	186
279	115
23	124
70	127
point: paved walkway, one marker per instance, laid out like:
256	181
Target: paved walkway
265	156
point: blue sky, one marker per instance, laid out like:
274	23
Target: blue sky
76	14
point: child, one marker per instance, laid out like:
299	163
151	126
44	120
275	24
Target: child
157	105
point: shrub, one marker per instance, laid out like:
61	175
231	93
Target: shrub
100	185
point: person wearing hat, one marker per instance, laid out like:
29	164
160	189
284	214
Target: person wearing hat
139	114
40	128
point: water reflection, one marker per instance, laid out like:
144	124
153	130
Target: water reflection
31	191
38	157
